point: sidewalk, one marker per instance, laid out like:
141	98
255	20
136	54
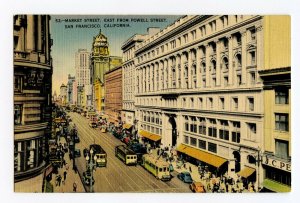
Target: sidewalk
67	185
193	170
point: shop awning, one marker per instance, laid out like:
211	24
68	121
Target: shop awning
246	172
127	126
276	186
206	157
149	135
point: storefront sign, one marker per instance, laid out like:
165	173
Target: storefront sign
286	166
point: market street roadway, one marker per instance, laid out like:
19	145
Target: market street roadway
117	177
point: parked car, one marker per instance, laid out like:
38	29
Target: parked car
197	187
185	177
87	177
93	124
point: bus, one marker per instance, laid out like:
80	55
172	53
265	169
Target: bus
100	154
126	155
157	166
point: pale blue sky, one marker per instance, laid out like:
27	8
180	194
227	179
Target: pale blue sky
66	41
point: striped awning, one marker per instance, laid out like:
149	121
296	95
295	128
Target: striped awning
246	172
206	157
149	135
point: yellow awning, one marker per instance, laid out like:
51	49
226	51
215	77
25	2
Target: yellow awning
276	186
246	172
206	157
149	135
126	126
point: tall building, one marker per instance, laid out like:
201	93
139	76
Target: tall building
198	90
71	81
276	75
32	98
128	79
101	62
63	94
113	94
82	67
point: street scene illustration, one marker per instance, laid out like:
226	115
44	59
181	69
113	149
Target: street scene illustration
152	104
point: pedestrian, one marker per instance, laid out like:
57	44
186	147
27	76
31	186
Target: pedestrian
190	168
58	180
65	175
74	187
67	166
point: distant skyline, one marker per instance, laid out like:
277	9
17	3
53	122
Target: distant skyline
73	32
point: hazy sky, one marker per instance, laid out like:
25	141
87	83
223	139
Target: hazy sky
70	33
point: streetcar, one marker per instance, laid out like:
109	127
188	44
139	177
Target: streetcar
157	166
126	155
101	156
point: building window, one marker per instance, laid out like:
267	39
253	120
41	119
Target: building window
235	103
226	81
193	125
202	144
212	130
252	58
183	102
186	124
212	147
193	141
224	134
251	130
193	34
252	34
282	122
185	37
192	102
251	103
202	126
203	31
17	83
252	77
238	80
18	108
173	44
186	139
281	148
210	102
200	103
204	83
222	103
236	132
281	96
213	84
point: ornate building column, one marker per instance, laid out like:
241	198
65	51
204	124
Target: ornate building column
244	56
30	33
259	48
177	64
198	67
218	64
190	63
182	71
231	73
208	67
39	35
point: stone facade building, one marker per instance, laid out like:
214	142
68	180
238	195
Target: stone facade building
32	94
113	94
198	90
101	62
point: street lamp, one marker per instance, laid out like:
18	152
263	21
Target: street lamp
90	165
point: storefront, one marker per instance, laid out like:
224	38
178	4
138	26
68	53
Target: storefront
210	161
152	139
277	174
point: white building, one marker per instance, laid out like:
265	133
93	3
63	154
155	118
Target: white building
63	94
82	67
128	79
197	89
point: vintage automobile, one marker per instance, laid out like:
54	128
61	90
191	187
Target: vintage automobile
87	177
93	124
197	187
185	177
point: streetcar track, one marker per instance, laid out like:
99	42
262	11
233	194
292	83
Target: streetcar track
108	142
